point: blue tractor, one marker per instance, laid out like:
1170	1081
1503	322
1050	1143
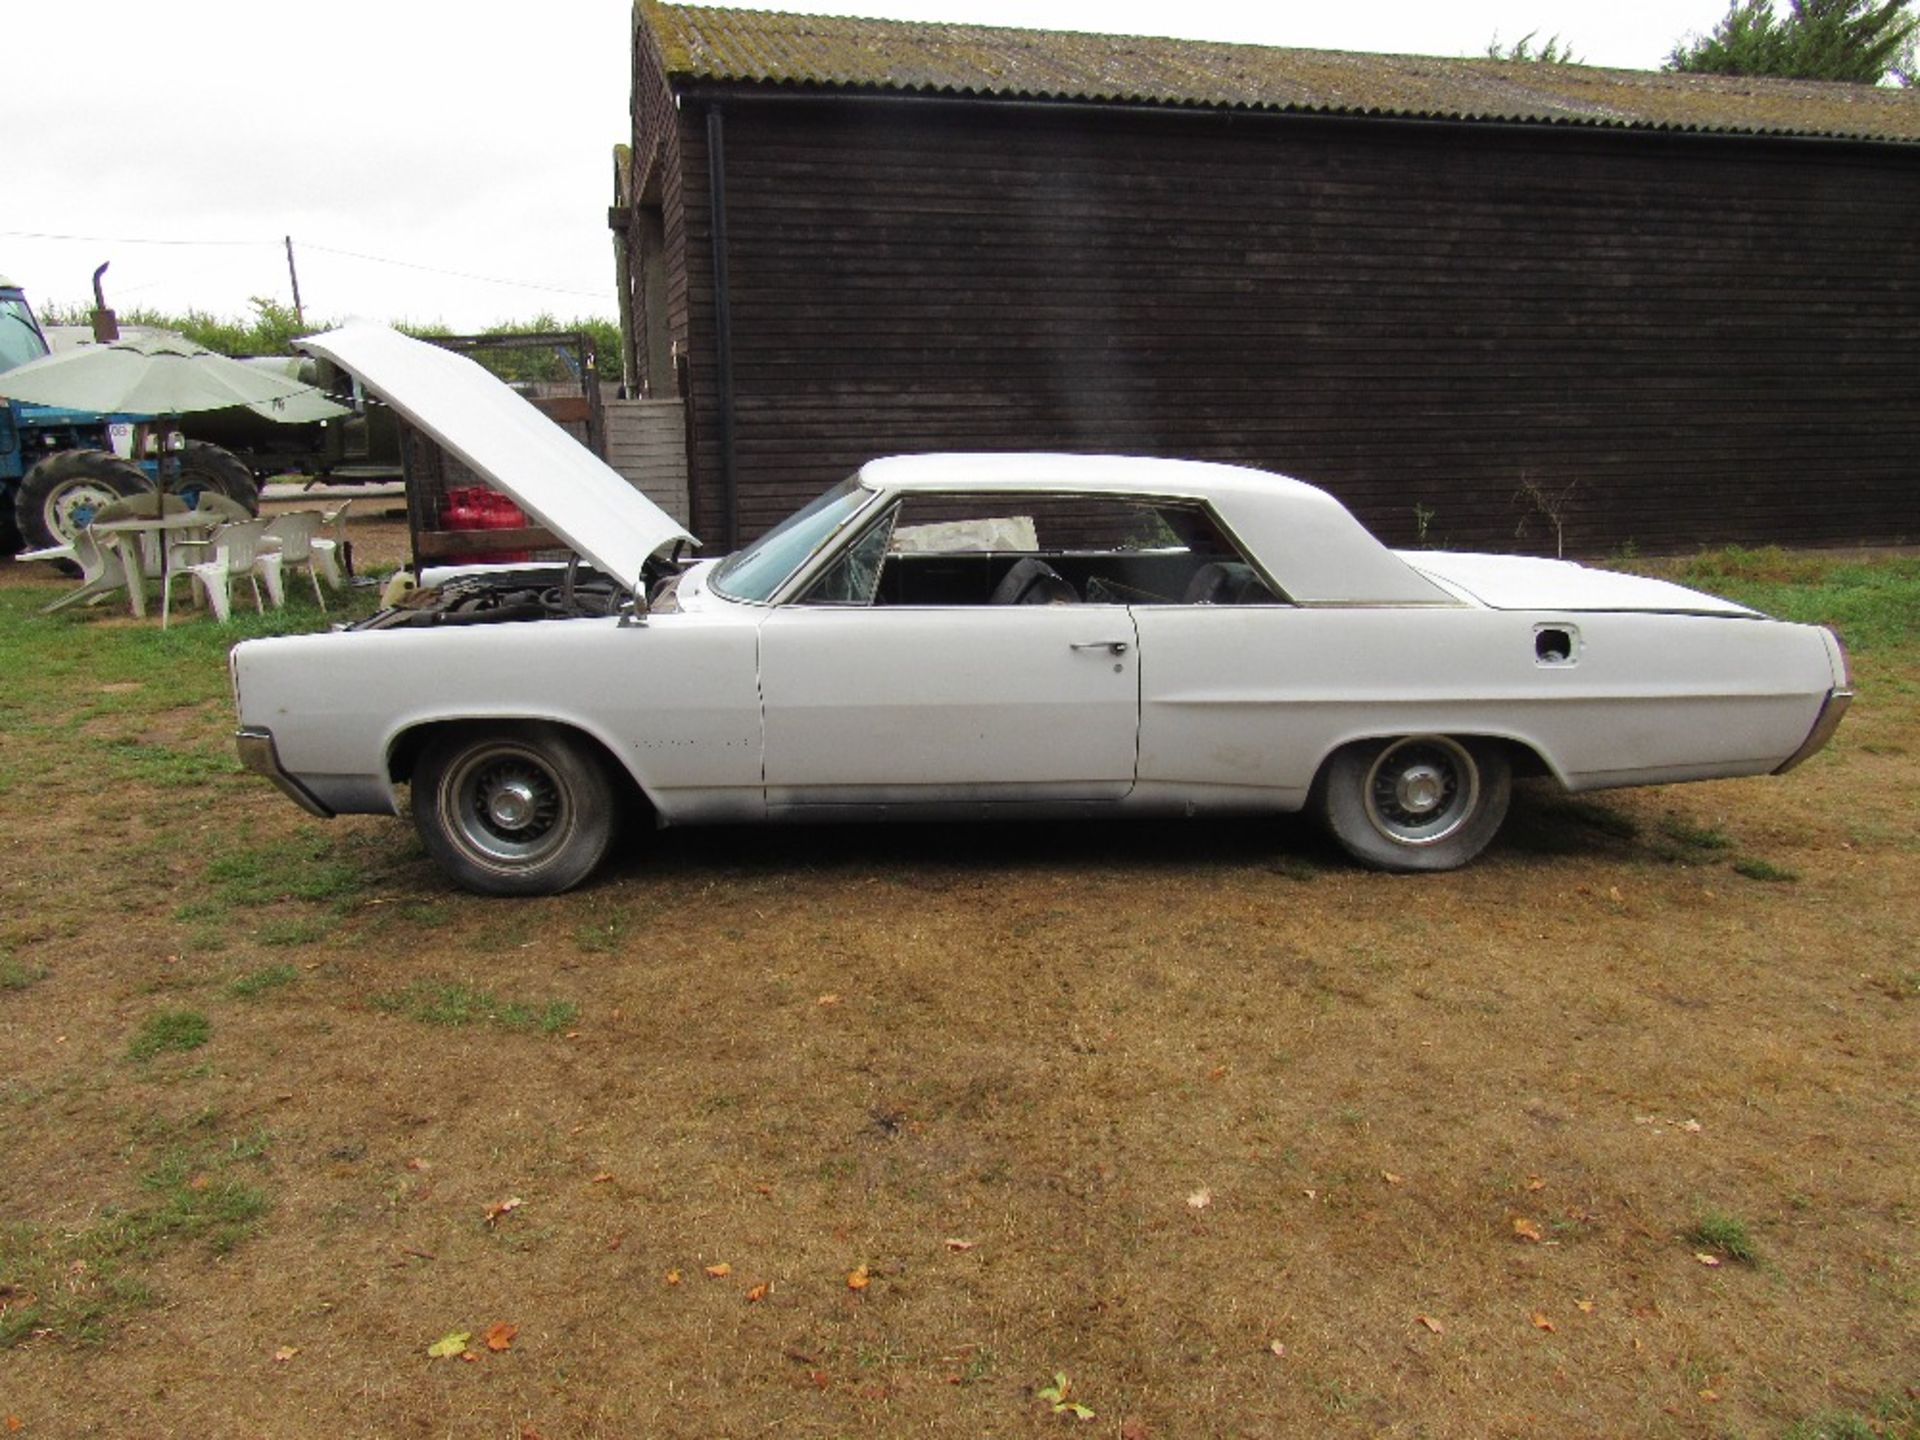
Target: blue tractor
58	466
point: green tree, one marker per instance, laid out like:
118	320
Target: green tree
1555	52
1862	41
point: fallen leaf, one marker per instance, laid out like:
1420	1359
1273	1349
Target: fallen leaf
1219	1072
1585	1307
672	1277
527	1432
1391	1178
1432	1324
1709	1395
1277	1348
286	1353
1526	1229
500	1337
1613	893
1706	1259
1200	1199
14	1422
1541	1322
953	1244
1133	1428
826	1002
719	1271
448	1345
469	1357
1311	1194
1692	1127
1534	1182
614	1243
757	1294
602	1178
505	1207
820	1378
418	1164
858	1279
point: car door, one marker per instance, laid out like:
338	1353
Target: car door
948	705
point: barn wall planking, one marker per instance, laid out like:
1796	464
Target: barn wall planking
1671	342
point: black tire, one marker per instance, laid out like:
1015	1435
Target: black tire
207	467
59	495
1416	802
514	809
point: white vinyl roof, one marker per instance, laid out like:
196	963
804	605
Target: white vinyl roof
1305	539
508	443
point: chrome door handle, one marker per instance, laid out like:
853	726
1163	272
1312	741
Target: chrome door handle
1112	647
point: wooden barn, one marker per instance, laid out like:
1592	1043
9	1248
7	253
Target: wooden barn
1488	304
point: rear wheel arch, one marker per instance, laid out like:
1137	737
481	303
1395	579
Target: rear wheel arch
1419	800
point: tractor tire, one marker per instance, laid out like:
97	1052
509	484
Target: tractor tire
59	495
208	467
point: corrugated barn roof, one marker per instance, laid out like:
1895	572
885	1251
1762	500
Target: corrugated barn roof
924	58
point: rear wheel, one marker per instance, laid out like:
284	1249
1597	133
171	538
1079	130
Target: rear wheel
206	468
1419	802
58	497
513	810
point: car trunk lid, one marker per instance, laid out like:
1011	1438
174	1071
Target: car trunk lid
1524	582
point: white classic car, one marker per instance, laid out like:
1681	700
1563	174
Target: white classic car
991	636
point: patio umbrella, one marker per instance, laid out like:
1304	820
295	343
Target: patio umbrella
159	375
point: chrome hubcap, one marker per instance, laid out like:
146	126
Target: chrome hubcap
512	805
1422	789
505	805
1419	789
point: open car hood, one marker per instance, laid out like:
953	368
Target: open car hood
507	443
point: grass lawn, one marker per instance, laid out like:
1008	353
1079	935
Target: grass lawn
1123	1130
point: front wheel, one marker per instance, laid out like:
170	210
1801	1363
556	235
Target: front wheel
513	810
58	497
1420	802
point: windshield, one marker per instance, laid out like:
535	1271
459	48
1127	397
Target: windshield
19	337
757	571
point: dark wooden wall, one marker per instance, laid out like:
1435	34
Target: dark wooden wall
1674	341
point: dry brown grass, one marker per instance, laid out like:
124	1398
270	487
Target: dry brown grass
800	1053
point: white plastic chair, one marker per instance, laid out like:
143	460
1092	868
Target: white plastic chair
101	570
216	506
234	554
294	534
331	554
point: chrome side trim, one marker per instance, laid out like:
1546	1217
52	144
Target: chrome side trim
257	754
1832	711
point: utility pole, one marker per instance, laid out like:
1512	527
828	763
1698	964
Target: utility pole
294	275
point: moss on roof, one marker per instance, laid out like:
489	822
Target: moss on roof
926	58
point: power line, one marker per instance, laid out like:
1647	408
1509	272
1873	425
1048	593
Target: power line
123	239
326	249
456	274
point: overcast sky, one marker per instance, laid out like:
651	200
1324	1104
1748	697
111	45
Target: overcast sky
434	162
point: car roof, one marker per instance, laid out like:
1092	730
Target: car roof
1305	539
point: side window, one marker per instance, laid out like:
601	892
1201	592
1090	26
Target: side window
853	578
1012	547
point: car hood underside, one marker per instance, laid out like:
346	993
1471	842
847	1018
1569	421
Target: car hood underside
508	443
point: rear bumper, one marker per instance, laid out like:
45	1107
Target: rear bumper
1832	710
257	754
